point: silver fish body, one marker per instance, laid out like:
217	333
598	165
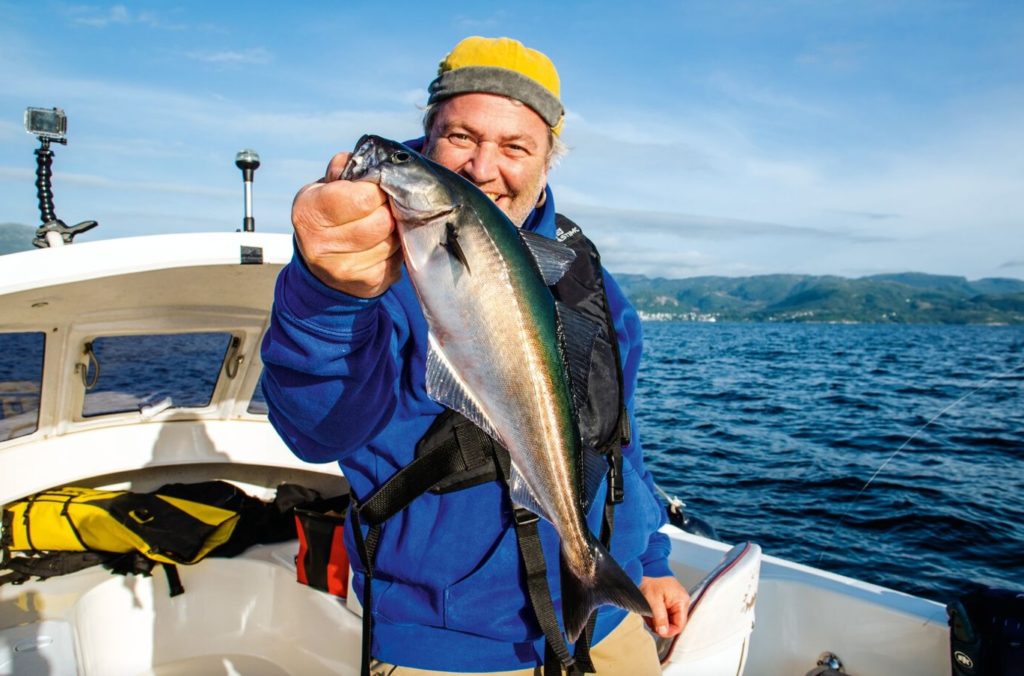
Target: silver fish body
496	350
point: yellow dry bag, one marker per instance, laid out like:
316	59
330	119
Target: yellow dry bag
179	523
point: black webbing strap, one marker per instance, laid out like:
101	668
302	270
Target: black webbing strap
391	497
410	482
367	550
584	663
27	522
532	556
6	537
174	586
14	577
71	522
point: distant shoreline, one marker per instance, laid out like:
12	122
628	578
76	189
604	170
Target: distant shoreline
904	298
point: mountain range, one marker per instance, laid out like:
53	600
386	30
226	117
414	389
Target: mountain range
909	298
15	237
906	298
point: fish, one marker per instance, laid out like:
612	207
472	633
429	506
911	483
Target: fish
500	351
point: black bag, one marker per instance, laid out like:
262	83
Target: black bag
987	633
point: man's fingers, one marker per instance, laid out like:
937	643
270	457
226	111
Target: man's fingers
346	234
659	618
669	602
677	615
335	166
321	206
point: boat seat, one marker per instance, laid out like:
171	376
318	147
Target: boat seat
716	638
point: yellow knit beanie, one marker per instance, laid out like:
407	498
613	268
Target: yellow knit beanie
501	66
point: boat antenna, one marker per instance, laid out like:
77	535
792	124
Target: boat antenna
50	125
892	456
248	161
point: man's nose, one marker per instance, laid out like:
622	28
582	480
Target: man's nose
483	165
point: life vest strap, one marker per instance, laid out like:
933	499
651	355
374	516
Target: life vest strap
532	556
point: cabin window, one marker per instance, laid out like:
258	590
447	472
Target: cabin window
21	375
151	372
258	403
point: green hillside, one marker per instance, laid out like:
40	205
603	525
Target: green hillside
15	237
910	298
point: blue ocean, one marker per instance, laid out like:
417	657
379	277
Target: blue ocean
889	453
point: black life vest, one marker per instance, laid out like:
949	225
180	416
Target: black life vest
455	454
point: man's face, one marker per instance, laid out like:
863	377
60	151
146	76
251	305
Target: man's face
499	144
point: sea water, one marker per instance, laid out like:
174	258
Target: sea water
771	432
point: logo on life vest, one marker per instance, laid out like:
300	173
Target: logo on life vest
563	235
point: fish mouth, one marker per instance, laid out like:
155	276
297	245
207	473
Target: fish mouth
361	163
365	162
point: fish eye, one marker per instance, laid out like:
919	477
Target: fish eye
400	156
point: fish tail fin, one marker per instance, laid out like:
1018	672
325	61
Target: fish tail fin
612	587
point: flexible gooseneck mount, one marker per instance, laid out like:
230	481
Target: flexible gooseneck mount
53	231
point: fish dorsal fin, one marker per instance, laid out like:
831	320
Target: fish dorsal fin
552	258
578	335
595	470
445	387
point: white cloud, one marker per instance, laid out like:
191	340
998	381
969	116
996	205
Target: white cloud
837	56
748	94
228	57
94	17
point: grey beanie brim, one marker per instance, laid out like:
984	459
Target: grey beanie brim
502	81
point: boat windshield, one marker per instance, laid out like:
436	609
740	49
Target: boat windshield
21	373
152	372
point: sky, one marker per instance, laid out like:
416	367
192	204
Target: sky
706	137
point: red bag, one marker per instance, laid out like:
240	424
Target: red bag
322	562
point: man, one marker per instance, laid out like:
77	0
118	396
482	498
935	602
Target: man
345	369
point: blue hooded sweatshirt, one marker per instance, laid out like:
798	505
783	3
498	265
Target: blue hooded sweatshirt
344	381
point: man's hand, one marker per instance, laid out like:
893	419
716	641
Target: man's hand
669	601
346	233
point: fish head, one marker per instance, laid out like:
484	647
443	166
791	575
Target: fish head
410	180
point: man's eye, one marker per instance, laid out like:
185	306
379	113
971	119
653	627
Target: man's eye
460	139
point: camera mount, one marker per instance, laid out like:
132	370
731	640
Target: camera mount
50	125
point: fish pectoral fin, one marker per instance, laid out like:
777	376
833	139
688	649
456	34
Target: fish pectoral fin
611	586
451	243
552	258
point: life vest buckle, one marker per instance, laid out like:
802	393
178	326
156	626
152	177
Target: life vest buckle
616	488
524	517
